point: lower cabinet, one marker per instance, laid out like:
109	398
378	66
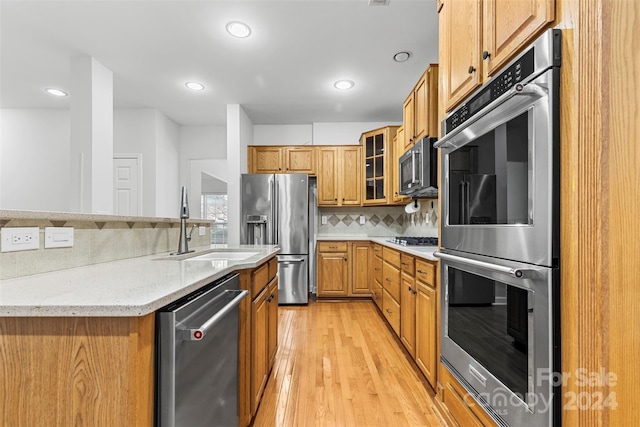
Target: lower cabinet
462	409
426	320
343	269
258	335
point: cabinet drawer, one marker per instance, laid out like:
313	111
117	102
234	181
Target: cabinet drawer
377	250
454	398
273	267
391	311
426	272
332	246
260	279
391	280
391	256
408	264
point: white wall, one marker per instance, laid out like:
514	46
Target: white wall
282	135
347	133
167	167
239	136
134	132
34	159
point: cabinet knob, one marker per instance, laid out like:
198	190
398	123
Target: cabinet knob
389	311
387	279
414	291
335	200
486	55
345	259
279	169
471	69
410	288
343	199
420	271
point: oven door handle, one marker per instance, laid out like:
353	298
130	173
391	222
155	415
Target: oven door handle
529	89
197	334
518	273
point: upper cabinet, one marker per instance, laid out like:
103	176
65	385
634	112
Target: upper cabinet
479	37
282	159
339	169
420	112
377	153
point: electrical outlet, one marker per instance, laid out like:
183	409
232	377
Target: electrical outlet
362	220
19	238
202	230
324	220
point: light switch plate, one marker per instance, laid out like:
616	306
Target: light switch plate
324	220
58	237
20	239
362	220
202	230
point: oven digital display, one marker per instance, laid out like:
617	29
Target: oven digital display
480	102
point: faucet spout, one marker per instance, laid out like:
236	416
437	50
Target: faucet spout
183	243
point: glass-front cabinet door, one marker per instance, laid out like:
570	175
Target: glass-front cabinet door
377	170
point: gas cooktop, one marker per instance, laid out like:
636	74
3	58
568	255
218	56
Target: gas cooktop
415	241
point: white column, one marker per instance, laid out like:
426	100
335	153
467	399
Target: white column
239	136
91	136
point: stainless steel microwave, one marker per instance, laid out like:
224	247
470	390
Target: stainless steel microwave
418	170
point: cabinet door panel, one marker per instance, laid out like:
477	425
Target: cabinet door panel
426	332
266	160
421	102
408	122
360	259
300	160
327	178
408	314
462	31
259	328
510	25
332	274
350	176
272	299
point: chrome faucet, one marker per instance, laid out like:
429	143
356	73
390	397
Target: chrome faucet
183	243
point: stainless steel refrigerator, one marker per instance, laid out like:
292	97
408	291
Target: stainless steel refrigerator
275	210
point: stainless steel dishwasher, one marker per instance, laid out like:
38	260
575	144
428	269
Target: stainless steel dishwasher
197	357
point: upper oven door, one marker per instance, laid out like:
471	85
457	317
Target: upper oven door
499	177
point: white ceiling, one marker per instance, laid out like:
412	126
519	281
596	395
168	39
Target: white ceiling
282	74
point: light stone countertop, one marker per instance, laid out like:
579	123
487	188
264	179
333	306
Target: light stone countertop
130	287
425	252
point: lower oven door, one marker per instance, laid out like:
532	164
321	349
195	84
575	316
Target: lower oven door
499	332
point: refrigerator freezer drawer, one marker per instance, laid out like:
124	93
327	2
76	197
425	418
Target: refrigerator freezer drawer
293	279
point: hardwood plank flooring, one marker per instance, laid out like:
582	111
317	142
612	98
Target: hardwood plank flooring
338	364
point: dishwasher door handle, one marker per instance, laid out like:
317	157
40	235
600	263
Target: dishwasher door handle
196	334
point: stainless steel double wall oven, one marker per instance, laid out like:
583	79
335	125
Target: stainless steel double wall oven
500	239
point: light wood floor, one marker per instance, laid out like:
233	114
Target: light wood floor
338	364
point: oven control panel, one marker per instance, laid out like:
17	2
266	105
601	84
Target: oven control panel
519	70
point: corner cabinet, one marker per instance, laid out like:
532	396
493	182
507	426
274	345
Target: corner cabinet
338	169
377	153
477	38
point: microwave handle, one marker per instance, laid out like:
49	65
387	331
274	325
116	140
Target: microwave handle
413	167
530	89
518	273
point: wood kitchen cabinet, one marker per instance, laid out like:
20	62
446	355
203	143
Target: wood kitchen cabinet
391	287
479	37
376	283
339	167
426	320
258	335
420	110
377	154
282	159
408	294
398	150
333	269
360	261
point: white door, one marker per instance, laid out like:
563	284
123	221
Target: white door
126	186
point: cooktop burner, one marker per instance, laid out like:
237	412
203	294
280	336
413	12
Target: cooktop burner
415	241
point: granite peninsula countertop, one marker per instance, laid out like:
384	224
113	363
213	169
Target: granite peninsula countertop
425	252
125	288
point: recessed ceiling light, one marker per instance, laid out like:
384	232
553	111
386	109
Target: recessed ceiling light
401	56
194	86
344	84
238	29
56	92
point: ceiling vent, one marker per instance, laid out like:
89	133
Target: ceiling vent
379	2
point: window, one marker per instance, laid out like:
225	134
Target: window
214	208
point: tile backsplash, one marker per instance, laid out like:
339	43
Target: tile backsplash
380	221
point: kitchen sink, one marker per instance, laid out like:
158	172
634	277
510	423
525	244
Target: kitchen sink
235	256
